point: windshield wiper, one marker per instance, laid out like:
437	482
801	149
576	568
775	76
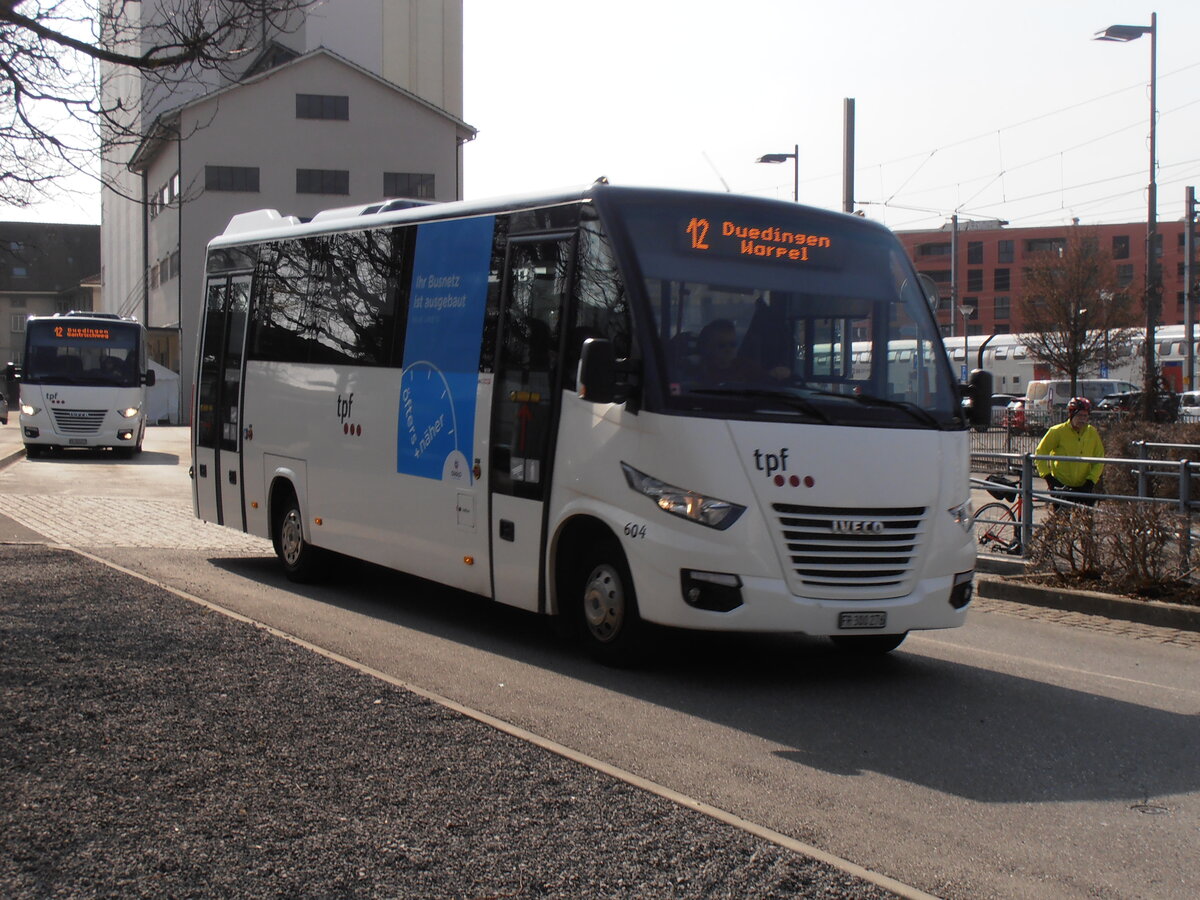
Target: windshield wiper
917	412
790	400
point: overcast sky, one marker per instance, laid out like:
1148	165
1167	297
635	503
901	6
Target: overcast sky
1006	111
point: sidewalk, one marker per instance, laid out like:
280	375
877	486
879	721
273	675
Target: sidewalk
11	446
154	748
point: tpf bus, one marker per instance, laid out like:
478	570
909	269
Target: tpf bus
83	382
615	405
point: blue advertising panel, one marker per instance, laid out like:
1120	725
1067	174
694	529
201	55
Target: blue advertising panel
436	430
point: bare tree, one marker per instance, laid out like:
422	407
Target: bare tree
54	111
1076	315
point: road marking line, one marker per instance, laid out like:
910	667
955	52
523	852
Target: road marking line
1058	667
898	888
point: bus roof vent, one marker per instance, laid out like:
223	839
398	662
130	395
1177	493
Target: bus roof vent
258	220
393	205
349	212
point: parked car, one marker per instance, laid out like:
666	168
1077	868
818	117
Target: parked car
1189	406
1000	404
1126	403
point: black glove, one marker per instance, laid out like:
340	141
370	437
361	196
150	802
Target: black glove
1052	483
1089	487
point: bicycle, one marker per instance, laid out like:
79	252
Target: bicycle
998	524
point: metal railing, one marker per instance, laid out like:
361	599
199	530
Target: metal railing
1147	471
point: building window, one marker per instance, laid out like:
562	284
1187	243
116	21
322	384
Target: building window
1120	246
974	279
408	184
1003	307
17	323
20	272
1005	251
1041	245
154	275
175	264
933	249
231	178
939	276
322	181
322	106
18	302
975	253
1124	275
1001	280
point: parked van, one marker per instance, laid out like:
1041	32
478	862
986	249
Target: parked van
1049	395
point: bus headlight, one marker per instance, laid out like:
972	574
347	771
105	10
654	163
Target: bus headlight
961	515
710	511
28	410
129	412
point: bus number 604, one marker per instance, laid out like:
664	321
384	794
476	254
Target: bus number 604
634	530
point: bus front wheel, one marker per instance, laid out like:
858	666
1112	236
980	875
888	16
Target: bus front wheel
302	562
606	607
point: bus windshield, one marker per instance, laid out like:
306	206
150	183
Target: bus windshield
764	313
81	352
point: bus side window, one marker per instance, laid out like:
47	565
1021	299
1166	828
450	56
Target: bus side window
601	306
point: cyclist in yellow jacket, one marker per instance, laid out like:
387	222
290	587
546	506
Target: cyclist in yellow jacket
1074	437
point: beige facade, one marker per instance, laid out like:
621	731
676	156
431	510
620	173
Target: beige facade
392	69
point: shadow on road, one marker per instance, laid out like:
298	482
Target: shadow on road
966	731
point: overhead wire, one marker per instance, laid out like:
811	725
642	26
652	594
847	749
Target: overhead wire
999	176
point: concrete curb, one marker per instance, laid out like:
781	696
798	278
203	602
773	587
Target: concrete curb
12	457
1145	612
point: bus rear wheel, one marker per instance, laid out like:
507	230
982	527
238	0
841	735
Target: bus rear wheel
606	607
302	562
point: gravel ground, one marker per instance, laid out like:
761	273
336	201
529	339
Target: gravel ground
151	748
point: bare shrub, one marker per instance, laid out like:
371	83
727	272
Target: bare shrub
1067	544
1142	544
1127	548
1120	442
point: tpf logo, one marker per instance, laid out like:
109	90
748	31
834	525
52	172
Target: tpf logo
771	462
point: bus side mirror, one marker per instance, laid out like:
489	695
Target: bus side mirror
930	289
148	378
597	371
977	398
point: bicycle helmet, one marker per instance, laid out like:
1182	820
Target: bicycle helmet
1078	404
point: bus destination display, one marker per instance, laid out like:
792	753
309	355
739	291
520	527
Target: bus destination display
733	238
90	333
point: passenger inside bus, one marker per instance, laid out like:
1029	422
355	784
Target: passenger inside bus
720	361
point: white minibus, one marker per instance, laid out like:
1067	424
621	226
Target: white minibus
616	405
83	382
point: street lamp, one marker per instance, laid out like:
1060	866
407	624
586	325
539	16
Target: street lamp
784	157
1124	34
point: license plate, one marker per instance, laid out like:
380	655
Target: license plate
78	442
862	620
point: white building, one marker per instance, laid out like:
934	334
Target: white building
363	101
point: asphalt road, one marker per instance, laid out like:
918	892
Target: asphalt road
1026	755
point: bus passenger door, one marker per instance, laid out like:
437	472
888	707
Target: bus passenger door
218	475
525	415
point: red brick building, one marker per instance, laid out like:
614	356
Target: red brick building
992	260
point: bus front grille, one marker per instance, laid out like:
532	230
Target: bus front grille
836	552
77	421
